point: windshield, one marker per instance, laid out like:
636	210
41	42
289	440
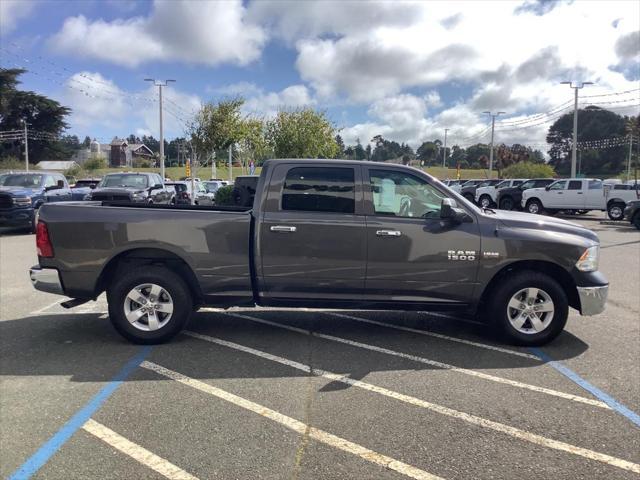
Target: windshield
212	186
503	184
127	180
486	183
529	184
26	180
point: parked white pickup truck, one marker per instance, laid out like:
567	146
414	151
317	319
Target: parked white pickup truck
487	196
581	194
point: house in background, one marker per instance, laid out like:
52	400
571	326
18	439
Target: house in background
124	154
118	153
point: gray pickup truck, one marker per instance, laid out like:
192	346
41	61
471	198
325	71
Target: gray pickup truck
322	233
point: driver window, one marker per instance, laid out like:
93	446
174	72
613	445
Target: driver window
558	185
49	181
400	194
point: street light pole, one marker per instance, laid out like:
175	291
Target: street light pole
577	87
493	126
26	145
444	157
160	84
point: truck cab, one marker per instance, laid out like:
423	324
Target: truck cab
23	193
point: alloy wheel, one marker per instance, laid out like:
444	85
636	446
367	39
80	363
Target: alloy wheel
530	310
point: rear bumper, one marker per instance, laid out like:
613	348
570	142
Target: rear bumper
46	280
593	299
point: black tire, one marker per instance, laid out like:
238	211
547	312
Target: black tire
615	211
165	278
535	206
506	203
486	199
636	220
497	308
583	212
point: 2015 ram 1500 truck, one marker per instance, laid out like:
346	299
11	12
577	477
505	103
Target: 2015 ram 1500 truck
323	233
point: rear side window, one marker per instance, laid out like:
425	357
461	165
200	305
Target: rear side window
318	189
595	184
575	185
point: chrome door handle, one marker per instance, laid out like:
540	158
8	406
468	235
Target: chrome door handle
388	233
282	229
580	193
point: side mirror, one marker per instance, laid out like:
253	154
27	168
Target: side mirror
547	188
60	184
93	186
155	187
449	211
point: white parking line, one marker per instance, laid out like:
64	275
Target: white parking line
295	425
446	366
466	417
135	451
43	309
437	335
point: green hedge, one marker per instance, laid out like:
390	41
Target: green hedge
528	170
223	195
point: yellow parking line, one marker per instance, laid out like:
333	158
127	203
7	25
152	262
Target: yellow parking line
295	425
135	451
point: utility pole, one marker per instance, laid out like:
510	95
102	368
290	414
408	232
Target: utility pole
160	84
493	126
230	164
214	173
629	161
444	157
577	87
26	145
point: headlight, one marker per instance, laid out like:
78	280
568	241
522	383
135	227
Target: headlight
588	262
22	201
138	196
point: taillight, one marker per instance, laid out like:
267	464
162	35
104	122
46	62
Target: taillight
43	242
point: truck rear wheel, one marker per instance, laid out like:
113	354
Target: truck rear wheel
485	201
529	308
506	203
636	220
149	305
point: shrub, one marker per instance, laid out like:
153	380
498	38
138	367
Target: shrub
12	163
74	171
528	170
96	163
224	195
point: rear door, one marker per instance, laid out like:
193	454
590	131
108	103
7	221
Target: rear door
594	195
312	242
414	256
574	195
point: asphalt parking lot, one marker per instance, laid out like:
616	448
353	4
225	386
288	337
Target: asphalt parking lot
315	394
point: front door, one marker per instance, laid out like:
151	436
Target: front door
555	195
594	195
413	255
312	234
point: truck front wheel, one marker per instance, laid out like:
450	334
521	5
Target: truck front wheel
529	308
149	305
534	206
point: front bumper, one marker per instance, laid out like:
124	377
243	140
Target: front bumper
16	216
592	299
46	280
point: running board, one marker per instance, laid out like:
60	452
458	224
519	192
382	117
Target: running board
74	302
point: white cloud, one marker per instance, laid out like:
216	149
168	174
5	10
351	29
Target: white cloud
98	103
11	11
208	33
268	104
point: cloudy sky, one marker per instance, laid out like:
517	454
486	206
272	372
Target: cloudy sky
405	70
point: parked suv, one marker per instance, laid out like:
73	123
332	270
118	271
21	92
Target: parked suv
22	193
510	198
469	189
136	187
486	195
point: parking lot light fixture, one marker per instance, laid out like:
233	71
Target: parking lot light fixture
160	84
575	87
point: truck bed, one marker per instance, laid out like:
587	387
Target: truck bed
212	242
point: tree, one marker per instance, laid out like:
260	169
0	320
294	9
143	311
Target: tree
340	144
389	149
427	152
302	133
86	143
359	152
478	155
46	119
594	124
